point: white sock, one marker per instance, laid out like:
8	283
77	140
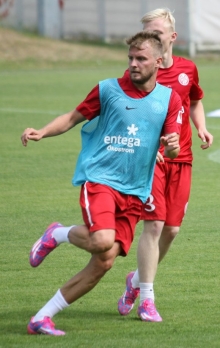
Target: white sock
56	304
60	234
146	291
135	280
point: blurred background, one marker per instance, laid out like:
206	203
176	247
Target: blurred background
197	21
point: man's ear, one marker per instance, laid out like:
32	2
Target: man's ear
173	36
159	62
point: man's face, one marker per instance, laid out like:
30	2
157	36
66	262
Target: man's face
142	63
166	34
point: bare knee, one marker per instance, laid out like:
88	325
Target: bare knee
170	232
103	262
105	265
154	228
101	266
102	240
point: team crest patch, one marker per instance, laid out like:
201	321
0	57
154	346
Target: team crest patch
157	107
183	79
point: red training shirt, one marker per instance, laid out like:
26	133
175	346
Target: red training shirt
182	77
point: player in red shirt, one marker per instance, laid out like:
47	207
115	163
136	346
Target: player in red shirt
164	210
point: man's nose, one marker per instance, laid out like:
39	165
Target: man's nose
133	62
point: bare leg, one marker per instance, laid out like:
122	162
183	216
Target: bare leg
97	242
75	288
152	247
148	251
148	256
86	280
167	236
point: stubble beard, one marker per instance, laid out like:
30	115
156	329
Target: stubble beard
143	80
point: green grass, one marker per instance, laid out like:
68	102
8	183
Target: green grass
36	189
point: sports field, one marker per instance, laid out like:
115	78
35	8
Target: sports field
35	86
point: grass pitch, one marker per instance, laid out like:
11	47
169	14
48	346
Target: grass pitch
36	189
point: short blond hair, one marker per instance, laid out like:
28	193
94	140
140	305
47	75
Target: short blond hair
163	13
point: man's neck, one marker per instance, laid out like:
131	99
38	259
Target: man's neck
167	61
147	87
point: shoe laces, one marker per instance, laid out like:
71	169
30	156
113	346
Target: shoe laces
149	306
130	295
49	322
48	245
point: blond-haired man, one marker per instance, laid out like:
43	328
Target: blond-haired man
164	210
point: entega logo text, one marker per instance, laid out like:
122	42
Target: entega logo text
129	142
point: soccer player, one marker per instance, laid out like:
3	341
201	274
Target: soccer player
165	208
115	168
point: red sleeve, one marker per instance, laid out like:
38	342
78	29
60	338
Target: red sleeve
90	107
196	92
173	120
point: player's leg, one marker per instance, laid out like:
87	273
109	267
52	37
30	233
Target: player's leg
147	257
94	242
104	214
87	279
148	251
78	235
96	200
154	213
167	236
125	227
76	287
177	197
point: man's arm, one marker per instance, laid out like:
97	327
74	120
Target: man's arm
197	115
172	128
59	125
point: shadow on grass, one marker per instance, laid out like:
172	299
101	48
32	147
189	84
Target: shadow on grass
16	322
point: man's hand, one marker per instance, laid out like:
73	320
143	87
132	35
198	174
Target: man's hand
171	140
206	137
159	158
31	134
171	145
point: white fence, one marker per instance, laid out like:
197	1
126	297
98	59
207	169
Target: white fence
197	21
